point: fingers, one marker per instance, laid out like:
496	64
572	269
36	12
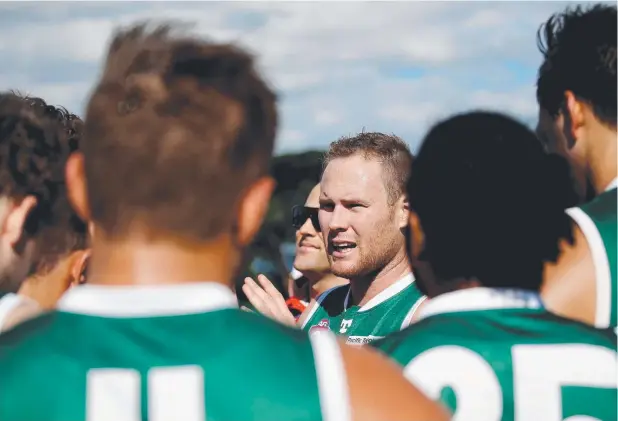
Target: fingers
268	300
270	288
258	297
277	301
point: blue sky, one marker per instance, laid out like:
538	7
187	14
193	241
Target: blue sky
338	67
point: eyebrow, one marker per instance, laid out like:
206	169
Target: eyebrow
354	200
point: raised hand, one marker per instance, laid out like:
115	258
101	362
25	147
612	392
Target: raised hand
268	300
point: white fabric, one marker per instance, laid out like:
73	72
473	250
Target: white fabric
147	300
480	298
7	304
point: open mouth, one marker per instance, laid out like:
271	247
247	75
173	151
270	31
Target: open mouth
342	248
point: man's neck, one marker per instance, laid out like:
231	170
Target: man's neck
602	165
324	283
363	289
163	262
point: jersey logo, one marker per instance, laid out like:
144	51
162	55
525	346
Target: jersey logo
345	324
361	340
323	324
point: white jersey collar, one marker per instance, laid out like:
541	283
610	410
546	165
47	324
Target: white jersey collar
612	185
147	300
389	292
475	299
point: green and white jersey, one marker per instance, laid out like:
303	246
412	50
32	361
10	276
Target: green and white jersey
495	354
598	221
389	311
158	353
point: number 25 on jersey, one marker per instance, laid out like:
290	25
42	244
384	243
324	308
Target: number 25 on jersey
569	382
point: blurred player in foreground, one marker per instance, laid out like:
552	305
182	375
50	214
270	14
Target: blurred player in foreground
484	344
42	240
577	90
178	138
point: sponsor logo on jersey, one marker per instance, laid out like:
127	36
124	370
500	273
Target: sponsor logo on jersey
323	324
345	324
361	340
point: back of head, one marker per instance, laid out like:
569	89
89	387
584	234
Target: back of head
490	201
36	140
390	150
175	130
579	50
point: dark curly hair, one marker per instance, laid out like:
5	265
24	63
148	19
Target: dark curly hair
579	51
36	140
490	200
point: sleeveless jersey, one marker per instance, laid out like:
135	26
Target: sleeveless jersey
389	311
597	220
491	354
166	353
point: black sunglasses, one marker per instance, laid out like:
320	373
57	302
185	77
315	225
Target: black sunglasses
300	214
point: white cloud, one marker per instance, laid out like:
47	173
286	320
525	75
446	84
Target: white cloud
325	59
292	137
327	117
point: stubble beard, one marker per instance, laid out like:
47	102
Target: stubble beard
366	265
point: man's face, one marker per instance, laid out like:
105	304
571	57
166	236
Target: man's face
551	132
310	248
361	230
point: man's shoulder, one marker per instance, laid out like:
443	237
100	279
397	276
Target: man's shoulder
254	325
504	329
332	300
603	207
416	338
29	344
565	330
336	293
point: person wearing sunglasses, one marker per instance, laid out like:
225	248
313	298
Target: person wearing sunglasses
362	213
311	260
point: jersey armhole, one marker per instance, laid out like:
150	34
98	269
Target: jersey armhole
412	312
601	266
332	377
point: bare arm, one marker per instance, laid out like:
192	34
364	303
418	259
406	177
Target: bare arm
379	391
569	287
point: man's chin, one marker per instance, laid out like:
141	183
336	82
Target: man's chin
346	271
304	265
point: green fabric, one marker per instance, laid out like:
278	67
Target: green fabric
360	325
469	360
252	368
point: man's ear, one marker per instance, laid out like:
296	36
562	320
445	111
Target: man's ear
14	224
252	209
76	185
416	242
574	118
403	211
78	264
